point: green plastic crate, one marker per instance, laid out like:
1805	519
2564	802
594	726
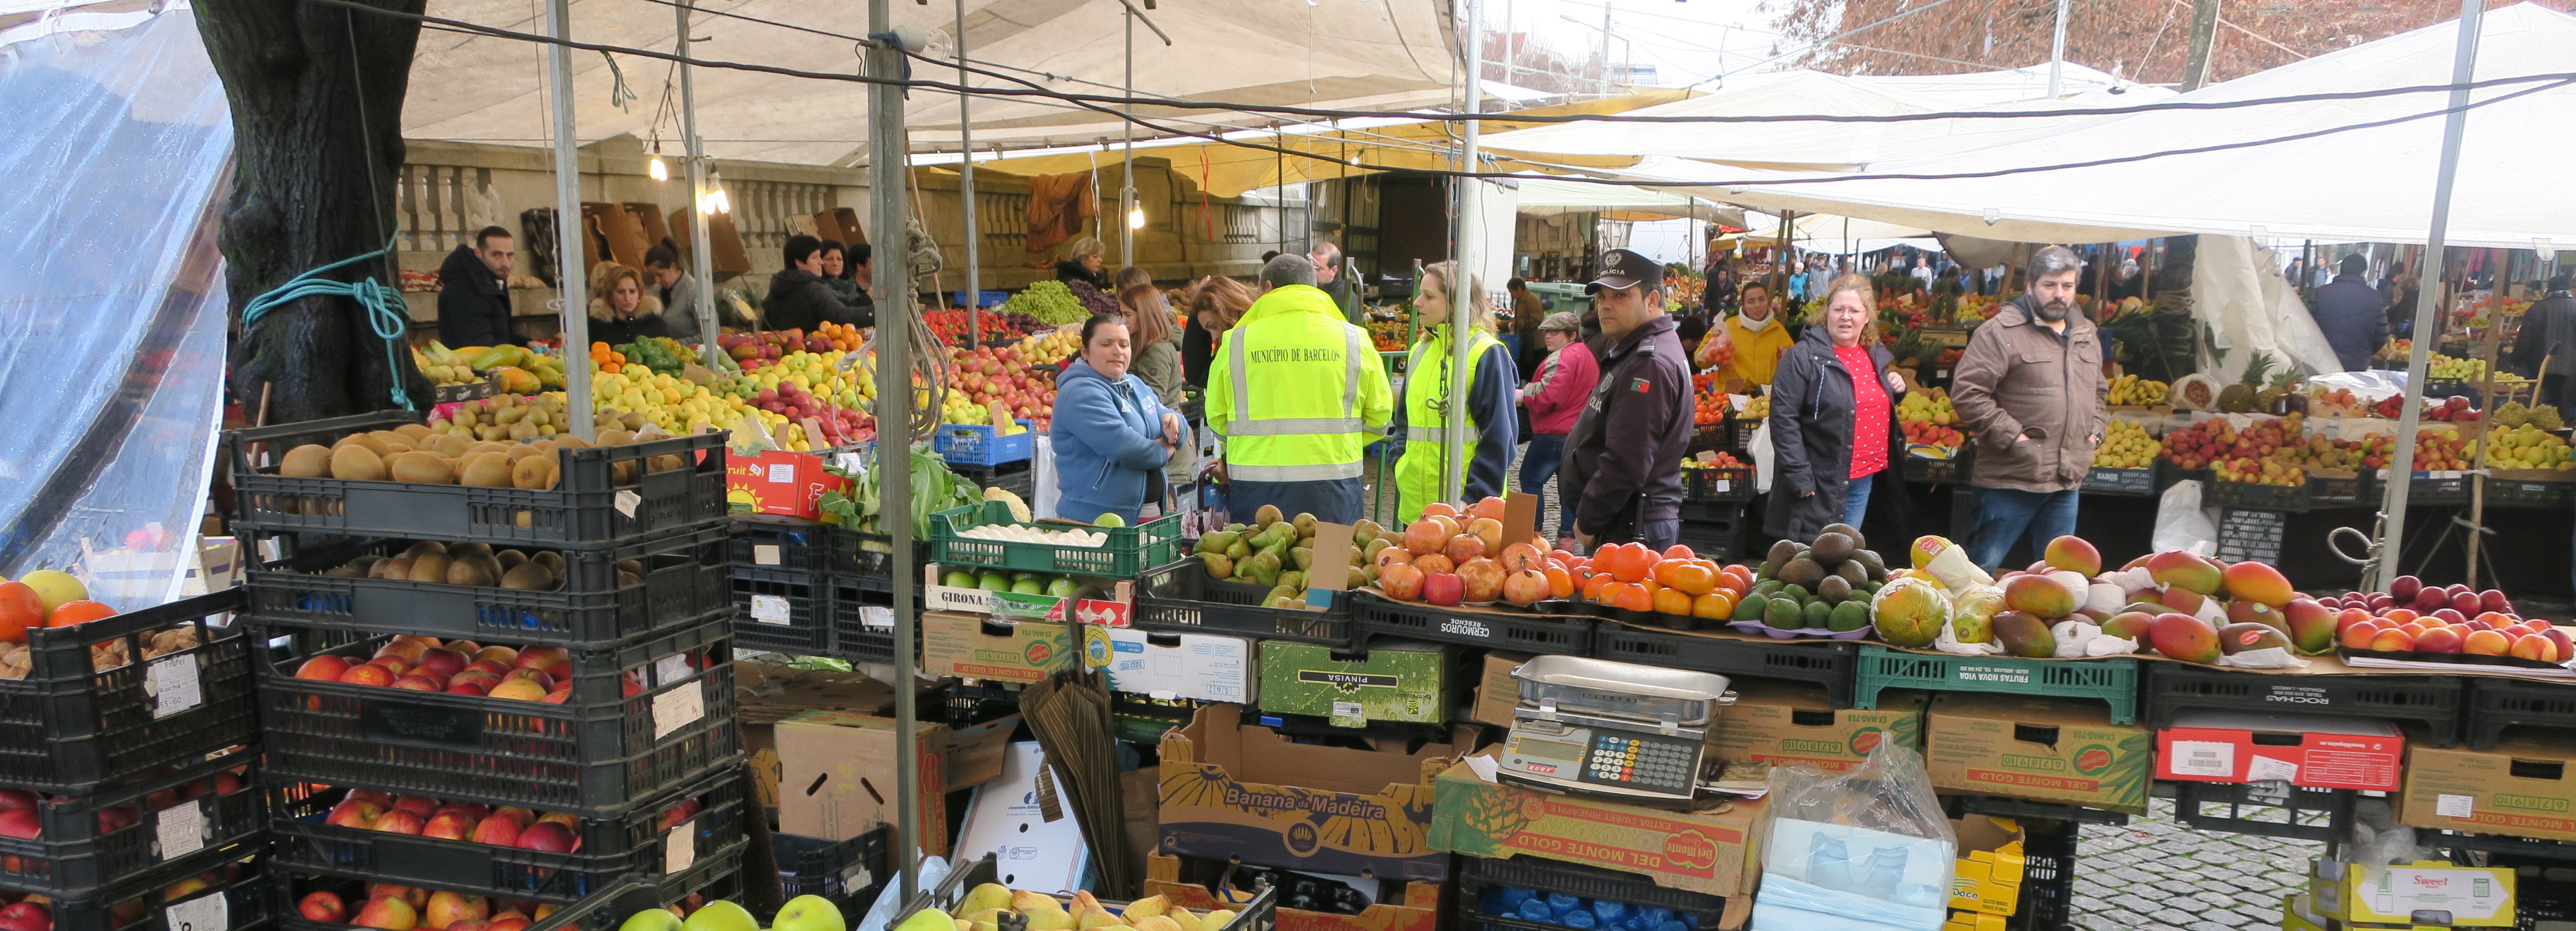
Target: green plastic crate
1128	554
2111	680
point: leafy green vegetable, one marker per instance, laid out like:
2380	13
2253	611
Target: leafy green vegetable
934	488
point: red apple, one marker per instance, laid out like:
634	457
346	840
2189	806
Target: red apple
369	674
16	798
355	813
1443	588
546	836
415	682
324	668
452	825
441	663
399	821
323	907
26	916
20	823
497	830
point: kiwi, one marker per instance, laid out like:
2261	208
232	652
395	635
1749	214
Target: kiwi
307	461
510	559
668	462
367	440
474	570
394	441
553	561
357	463
1847	530
429	567
424	468
398	567
485	470
616	437
537	472
449	445
528	576
416	432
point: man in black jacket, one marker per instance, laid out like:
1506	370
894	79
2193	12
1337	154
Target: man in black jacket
1622	474
473	292
798	299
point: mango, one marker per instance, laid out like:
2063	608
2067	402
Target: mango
2254	581
2184	637
1972	614
484	470
2039	596
424	468
2024	634
2239	638
2256	612
2179	569
2130	625
2312	625
2073	554
1910	612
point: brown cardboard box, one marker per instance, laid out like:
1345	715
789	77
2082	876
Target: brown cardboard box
1235	790
1497	693
973	646
1185	883
1790	723
772	693
837	776
1713	852
2053	749
2522	788
975	753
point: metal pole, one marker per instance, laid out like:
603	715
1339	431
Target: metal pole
701	252
1462	278
2401	465
1605	50
1127	158
2057	52
966	192
572	275
2204	36
887	163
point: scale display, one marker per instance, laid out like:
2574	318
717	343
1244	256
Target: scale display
1601	758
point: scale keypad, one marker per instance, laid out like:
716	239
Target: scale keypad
1616	758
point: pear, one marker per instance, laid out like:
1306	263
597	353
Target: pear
1216	920
1083	904
1155	923
983	916
1182	917
1149	905
962	924
1025	901
1050	919
986	925
928	919
1096	919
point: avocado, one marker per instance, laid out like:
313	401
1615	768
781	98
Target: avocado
1751	608
1852	571
1833	590
1781	553
1798	593
1802	572
1850	615
1768	586
1783	613
1846	530
1831	549
1817	614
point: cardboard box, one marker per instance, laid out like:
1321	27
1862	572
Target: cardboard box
1774	722
1402	683
2059	750
2438	891
2323	751
1497	693
837	776
1202	667
938	595
779	482
1986	879
2521	788
1974	921
1713	851
975	754
2298	914
973	646
1236	790
1005	820
771	693
1183	883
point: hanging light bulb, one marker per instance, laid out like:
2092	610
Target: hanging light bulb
713	200
657	169
719	201
1136	217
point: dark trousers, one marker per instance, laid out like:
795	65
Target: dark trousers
1333	501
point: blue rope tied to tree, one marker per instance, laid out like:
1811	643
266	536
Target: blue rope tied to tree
389	324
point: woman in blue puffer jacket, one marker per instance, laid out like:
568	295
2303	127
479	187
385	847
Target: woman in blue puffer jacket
1112	436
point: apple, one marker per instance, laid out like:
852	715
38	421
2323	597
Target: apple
20	823
447	908
389	914
1443	588
449	825
508	921
324	668
519	690
399	821
369	674
556	661
497	830
323	907
468	687
539	676
413	896
415	682
442	663
16	798
562	693
392	664
497	668
407	649
26	916
521	815
546	837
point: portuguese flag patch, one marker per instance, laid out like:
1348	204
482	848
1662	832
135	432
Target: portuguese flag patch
1638	385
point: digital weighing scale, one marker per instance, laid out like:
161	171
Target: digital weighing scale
1611	728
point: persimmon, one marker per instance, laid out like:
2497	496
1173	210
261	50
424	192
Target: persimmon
1714	605
1560	583
1597	588
1632	597
20	608
1690	577
1673	601
1679	551
78	612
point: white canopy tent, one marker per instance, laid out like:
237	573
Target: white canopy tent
1549	197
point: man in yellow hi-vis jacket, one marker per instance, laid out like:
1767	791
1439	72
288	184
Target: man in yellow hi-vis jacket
1298	393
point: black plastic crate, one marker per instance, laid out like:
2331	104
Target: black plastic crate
69	728
1832	664
636	842
2102	481
1375	616
781	545
684	578
234	896
873	556
2529	493
2430	700
1014	477
2249	496
1490	893
90	842
2167	474
642	717
603	911
585	508
859	633
1180	598
1718	540
783	611
1728	435
2254	535
851	873
2047	877
2495	703
1259	914
2026	809
2274	809
1729	483
2535	848
2360	490
2428	490
1953	470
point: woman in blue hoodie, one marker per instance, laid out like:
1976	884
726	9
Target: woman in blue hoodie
1112	436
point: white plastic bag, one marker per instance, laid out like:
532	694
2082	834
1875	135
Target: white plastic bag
2180	523
1759	450
1042	484
1867	848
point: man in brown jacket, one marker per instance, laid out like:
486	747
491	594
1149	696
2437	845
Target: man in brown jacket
2029	389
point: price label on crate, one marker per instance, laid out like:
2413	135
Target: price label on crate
203	913
764	554
876	616
680	848
672	668
1348	714
676	709
769	609
626	502
174	685
180	829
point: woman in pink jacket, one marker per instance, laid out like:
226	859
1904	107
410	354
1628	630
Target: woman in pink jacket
1555	397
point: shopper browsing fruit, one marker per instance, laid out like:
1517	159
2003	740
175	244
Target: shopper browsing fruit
620	311
675	287
1298	393
1623	463
473	291
2029	389
1554	399
1111	437
1757	337
1833	423
798	299
1492	427
1215	304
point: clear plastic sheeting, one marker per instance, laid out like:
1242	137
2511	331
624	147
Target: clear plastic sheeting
112	317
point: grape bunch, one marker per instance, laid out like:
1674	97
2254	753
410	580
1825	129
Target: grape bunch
1049	301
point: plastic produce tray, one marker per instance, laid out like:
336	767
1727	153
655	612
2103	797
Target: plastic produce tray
78	850
237	898
684	579
1129	552
1180	598
1376	616
2275	809
593	754
1828	663
2287	499
975	444
2496	703
586	508
851	873
783	611
2430	700
1487	900
635	842
2112	680
69	729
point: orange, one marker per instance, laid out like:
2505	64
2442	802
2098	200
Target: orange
1690	577
78	612
1633	597
1713	605
1672	601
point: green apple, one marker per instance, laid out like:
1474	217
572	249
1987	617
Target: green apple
1062	587
1027	587
928	919
994	582
816	913
652	919
959	579
720	916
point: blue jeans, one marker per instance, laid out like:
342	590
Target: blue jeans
1546	454
1332	501
2004	515
1856	506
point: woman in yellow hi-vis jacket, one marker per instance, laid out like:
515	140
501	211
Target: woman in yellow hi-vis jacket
1422	422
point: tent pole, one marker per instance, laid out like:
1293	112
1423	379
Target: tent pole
701	252
572	275
1462	278
1127	157
887	163
966	191
2057	53
2401	466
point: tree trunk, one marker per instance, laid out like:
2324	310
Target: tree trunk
317	98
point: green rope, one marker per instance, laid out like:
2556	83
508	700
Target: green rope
389	324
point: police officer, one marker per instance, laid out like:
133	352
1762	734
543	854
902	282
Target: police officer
1623	463
1298	393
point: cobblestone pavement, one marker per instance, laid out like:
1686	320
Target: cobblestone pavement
2157	874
